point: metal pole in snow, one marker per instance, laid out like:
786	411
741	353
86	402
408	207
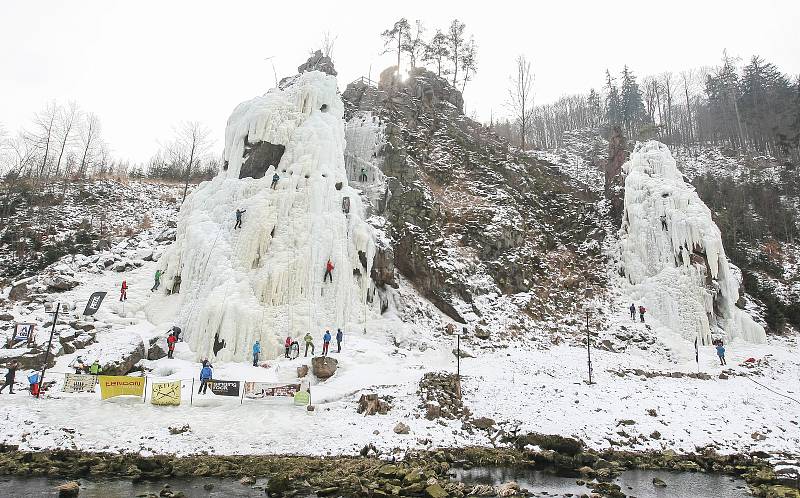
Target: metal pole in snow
589	347
47	352
191	395
144	398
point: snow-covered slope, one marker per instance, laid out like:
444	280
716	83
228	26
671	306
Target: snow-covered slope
672	252
265	279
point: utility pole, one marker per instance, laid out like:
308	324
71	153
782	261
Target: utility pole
47	351
589	346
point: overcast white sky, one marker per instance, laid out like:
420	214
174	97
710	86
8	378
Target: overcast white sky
144	66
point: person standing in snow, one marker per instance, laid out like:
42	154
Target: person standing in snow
171	340
78	365
328	271
642	311
205	376
326	342
275	179
363	176
12	372
309	343
123	291
158	281
239	213
95	368
288	345
633	312
339	337
721	353
256	352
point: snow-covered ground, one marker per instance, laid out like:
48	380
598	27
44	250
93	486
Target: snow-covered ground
533	384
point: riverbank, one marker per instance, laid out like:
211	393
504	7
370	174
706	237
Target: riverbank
426	473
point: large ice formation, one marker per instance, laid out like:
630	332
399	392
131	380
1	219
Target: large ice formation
672	252
265	279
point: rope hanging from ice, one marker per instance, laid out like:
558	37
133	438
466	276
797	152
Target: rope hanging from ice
672	253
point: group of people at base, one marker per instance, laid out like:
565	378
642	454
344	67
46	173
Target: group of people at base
642	311
81	368
326	341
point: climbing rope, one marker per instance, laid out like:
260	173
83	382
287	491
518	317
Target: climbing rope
772	390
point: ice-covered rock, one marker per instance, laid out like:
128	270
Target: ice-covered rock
265	279
672	252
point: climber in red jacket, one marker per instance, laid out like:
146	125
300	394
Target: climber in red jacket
123	291
328	271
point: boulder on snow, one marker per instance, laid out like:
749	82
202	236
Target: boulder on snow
59	283
120	357
157	348
27	358
302	371
401	428
323	367
482	333
18	292
370	404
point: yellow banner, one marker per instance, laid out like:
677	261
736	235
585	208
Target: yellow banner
118	385
166	393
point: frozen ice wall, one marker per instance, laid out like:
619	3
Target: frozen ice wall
265	279
672	252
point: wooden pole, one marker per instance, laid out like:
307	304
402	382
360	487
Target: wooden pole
47	352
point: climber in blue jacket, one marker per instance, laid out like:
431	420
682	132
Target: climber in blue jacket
256	352
721	353
205	376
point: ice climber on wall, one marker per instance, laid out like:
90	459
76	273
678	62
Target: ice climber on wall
328	271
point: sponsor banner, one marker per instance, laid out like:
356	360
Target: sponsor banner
79	383
23	332
119	385
260	390
225	387
302	398
166	393
93	304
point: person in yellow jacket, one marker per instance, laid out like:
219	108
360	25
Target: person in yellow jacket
309	343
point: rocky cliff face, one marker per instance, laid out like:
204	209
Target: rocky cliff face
470	222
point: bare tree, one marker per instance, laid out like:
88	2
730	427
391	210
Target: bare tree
469	62
666	90
190	145
455	42
67	118
328	41
687	77
90	139
43	136
520	96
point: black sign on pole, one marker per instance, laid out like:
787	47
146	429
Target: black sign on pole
93	304
225	387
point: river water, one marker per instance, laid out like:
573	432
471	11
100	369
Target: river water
638	483
14	487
